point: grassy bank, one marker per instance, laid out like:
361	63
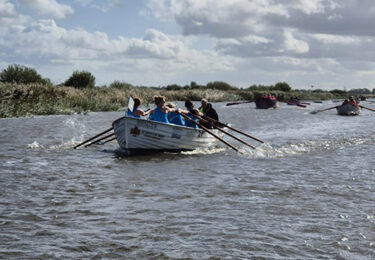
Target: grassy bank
17	100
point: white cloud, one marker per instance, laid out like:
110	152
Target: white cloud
49	8
238	41
44	42
6	9
220	19
336	39
294	45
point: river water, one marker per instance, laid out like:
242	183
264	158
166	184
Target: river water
307	193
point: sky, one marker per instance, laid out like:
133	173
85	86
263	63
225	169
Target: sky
310	44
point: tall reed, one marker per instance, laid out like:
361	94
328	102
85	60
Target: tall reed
36	99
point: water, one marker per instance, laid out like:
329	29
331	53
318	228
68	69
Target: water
308	193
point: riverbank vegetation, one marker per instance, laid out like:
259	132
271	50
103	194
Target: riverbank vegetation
35	95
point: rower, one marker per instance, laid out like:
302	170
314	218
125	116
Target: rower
160	113
191	110
208	111
137	112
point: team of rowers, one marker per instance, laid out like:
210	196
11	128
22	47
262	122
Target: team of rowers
351	101
170	114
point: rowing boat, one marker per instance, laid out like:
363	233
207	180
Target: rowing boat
348	110
138	136
266	103
296	102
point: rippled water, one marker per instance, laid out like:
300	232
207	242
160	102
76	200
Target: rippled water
308	193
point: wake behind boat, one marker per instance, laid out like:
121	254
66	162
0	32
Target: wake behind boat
135	135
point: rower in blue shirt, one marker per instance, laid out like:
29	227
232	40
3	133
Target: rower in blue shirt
174	117
191	110
160	113
137	112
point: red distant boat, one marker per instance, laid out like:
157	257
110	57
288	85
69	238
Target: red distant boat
266	102
296	102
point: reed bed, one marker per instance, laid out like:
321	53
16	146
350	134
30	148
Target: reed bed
18	100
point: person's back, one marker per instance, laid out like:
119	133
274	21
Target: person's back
131	113
137	112
190	107
160	113
160	116
345	102
352	101
208	111
211	112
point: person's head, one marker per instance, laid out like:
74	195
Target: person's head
159	100
189	104
351	98
137	102
204	103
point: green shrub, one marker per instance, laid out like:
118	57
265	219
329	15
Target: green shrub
81	79
120	85
220	85
173	87
338	92
22	75
283	86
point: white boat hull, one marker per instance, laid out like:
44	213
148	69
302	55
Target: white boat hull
142	136
348	110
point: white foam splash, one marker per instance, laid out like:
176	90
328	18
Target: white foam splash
77	132
205	151
269	151
64	144
35	145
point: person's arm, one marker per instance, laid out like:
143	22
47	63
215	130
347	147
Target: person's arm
140	112
166	109
197	112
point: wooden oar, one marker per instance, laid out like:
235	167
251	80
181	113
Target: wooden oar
225	132
92	138
237	103
317	111
373	110
211	133
96	141
232	128
106	141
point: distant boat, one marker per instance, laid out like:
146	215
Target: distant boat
348	110
297	103
138	136
266	102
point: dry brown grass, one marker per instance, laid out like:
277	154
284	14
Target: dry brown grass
35	99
